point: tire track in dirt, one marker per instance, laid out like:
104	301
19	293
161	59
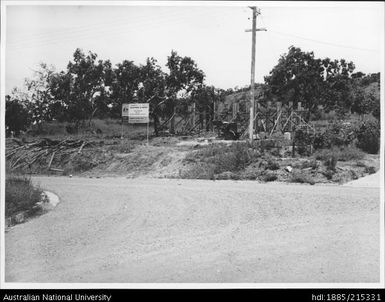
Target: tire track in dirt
168	230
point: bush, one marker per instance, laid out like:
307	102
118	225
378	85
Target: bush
310	164
302	140
331	162
272	164
301	178
216	159
17	117
368	136
340	153
20	195
328	174
198	171
337	134
370	170
269	177
224	158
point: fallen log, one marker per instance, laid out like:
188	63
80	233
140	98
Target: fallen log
81	147
50	161
56	170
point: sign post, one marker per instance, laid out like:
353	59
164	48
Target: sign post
139	113
125	108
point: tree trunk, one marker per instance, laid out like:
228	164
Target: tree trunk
156	123
172	122
204	121
91	117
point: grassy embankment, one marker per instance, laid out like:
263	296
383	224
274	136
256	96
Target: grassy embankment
21	196
242	161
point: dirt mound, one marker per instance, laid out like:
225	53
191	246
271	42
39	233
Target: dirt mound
176	157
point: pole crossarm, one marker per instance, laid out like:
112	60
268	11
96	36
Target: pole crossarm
257	29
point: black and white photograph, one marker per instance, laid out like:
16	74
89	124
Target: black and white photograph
192	144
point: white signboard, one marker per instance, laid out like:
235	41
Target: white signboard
125	109
138	113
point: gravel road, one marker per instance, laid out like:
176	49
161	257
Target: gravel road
166	230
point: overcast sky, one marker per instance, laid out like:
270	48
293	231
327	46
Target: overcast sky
214	36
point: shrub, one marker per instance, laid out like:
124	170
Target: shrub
340	153
302	140
320	141
224	158
269	177
20	195
198	171
368	136
219	158
83	163
272	164
331	162
310	164
370	170
301	178
17	117
337	134
328	174
350	153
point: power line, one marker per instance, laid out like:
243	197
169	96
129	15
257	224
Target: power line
323	42
90	32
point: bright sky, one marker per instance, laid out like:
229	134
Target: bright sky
214	36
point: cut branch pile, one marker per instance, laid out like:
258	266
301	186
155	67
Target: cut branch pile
23	155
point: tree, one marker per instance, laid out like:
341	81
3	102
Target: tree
204	98
366	95
338	89
296	78
184	76
300	77
124	85
371	78
17	116
152	90
84	89
37	96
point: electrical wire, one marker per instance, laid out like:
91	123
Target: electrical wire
323	42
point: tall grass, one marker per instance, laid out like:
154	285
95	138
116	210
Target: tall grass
340	153
20	194
219	158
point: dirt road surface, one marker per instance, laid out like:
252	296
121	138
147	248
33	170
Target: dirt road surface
166	230
373	181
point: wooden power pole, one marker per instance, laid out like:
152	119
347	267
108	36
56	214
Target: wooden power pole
256	12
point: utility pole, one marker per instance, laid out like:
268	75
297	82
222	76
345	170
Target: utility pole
256	12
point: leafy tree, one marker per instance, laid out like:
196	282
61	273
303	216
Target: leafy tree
37	96
298	77
365	103
152	90
184	76
371	78
358	75
204	98
368	136
17	116
338	90
366	97
60	86
360	104
84	88
124	85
